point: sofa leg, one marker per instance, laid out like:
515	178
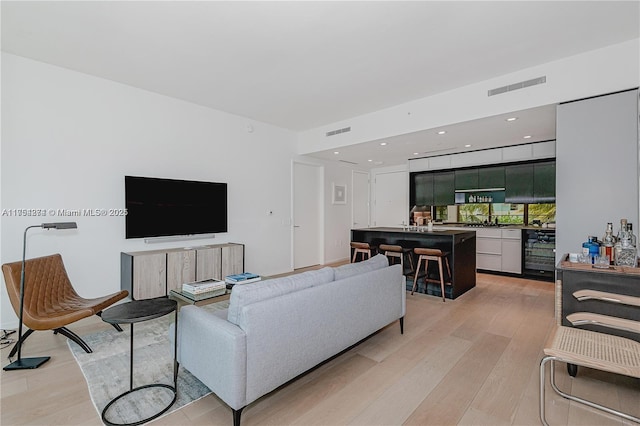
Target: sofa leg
236	416
402	325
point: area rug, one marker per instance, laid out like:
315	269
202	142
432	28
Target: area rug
106	370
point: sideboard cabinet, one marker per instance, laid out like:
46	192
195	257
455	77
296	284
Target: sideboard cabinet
154	273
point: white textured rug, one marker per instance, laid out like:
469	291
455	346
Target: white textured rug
106	370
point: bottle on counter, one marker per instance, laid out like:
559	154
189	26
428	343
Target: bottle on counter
591	248
626	253
608	243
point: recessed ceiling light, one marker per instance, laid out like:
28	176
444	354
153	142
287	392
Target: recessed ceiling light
512	118
527	137
369	160
336	152
468	145
383	143
442	132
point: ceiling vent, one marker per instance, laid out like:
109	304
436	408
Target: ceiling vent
517	86
348	162
337	132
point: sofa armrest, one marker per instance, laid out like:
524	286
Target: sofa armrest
215	351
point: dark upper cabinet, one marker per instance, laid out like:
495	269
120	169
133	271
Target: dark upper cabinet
544	182
422	189
444	188
466	179
518	183
491	177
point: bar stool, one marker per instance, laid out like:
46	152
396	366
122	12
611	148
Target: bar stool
362	248
397	252
436	255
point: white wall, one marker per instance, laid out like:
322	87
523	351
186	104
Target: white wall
596	168
605	70
68	139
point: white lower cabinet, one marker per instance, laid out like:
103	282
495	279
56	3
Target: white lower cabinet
498	249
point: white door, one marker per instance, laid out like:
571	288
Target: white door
307	214
360	212
391	204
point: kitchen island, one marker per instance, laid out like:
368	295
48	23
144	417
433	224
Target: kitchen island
460	244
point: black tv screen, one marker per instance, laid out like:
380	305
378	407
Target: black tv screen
167	207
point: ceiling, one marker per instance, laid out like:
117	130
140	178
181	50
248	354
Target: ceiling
304	64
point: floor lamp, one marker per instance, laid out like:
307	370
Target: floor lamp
35	362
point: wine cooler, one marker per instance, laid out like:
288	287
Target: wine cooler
539	253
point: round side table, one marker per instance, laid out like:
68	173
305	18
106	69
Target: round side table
131	313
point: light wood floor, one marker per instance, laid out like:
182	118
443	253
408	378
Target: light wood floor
469	361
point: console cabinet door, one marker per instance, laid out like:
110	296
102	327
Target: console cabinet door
209	261
149	276
232	259
181	268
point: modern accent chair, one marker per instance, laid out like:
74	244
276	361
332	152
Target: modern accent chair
50	301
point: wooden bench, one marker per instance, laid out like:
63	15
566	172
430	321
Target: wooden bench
586	348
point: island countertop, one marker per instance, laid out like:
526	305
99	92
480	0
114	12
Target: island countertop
459	244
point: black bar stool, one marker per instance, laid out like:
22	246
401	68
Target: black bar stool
428	254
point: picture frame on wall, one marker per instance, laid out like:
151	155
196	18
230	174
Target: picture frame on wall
339	194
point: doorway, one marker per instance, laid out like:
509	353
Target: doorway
307	215
360	208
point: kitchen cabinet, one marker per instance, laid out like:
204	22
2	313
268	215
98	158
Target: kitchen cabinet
491	177
544	182
518	183
422	191
466	179
154	273
499	250
444	188
511	243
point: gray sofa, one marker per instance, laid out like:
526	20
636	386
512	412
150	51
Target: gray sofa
274	330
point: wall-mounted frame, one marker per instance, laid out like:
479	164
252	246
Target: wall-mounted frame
339	194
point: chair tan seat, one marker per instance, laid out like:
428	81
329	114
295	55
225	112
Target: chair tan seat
394	252
50	301
426	255
364	249
591	349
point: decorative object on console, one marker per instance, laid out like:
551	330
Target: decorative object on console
244	278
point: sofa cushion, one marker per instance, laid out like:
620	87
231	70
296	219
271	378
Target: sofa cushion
378	261
246	294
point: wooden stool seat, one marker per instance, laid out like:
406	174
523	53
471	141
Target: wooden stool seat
362	248
429	254
396	252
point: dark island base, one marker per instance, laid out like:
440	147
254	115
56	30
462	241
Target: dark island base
461	246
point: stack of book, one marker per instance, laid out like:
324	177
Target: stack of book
243	278
205	288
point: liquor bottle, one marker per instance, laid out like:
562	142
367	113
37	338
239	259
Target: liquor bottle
608	243
625	253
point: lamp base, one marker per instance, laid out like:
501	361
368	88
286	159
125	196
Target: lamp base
27	363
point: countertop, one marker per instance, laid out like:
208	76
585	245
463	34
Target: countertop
457	231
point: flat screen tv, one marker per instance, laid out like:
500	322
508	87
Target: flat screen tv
167	207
